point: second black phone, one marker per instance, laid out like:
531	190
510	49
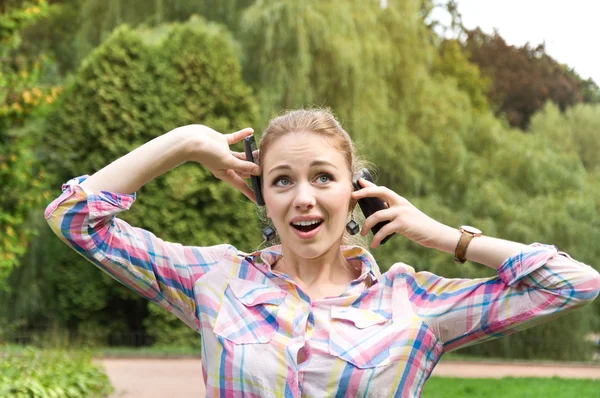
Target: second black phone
250	150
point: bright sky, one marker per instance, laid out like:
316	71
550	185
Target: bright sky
571	29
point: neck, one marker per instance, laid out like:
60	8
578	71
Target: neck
329	268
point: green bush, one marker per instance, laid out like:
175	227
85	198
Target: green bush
33	372
166	331
137	85
128	92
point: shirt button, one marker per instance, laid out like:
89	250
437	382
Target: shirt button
250	301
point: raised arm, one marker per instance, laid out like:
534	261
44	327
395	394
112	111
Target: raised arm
84	217
189	143
534	284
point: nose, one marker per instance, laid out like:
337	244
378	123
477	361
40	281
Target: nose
305	197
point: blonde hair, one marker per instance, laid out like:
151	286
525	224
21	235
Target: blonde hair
323	123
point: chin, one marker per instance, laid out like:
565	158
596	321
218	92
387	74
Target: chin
313	249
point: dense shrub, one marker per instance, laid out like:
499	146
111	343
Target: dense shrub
41	373
136	86
128	92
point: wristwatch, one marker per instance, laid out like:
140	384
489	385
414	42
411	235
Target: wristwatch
467	234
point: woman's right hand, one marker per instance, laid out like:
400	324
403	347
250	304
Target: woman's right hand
214	153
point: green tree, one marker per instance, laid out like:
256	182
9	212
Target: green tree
575	136
128	92
54	35
135	86
590	91
75	27
20	96
453	63
584	123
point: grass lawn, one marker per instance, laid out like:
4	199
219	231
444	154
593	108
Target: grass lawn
461	357
510	387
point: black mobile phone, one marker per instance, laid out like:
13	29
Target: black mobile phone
370	205
250	149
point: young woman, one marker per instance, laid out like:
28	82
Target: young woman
311	317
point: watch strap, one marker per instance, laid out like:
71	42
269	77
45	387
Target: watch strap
460	252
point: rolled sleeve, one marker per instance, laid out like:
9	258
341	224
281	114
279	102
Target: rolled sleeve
163	272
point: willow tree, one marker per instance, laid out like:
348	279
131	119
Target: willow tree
575	137
371	65
362	60
84	24
417	111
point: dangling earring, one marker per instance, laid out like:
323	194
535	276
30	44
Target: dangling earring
352	227
268	234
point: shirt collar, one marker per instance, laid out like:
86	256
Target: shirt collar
355	255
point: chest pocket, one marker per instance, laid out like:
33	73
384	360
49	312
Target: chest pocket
248	313
361	337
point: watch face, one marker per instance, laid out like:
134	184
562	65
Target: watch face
472	230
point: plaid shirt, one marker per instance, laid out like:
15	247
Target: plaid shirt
263	337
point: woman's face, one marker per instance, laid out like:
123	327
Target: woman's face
306	181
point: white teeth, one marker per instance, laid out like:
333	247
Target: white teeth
307	223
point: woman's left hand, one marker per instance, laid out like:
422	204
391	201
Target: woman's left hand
403	217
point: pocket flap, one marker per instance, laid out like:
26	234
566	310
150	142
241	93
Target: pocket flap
252	293
361	318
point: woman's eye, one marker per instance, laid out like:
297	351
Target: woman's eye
281	181
285	181
324	178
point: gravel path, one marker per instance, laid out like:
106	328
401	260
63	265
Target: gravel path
150	378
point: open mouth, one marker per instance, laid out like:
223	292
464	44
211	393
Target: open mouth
307	226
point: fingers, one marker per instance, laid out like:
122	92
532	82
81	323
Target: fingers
239	155
243	175
236	181
383	193
371	190
242	155
375	218
366	183
232	138
243	166
386	230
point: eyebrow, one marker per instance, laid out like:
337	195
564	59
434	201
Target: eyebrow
312	164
